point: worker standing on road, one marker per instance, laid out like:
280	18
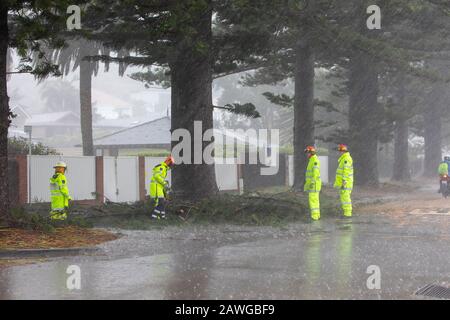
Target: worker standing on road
313	184
159	187
59	192
344	179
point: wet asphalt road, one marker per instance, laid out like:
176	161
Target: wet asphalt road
323	260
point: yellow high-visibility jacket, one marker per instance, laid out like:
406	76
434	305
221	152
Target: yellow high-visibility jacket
59	192
158	182
344	172
313	183
443	168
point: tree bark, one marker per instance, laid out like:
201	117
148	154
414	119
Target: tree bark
86	105
191	73
400	170
432	133
303	109
364	118
4	114
401	147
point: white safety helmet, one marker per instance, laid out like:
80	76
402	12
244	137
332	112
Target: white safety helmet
60	164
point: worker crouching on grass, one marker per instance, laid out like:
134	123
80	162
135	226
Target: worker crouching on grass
159	187
59	192
313	183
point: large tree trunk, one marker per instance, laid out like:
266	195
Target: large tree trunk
400	170
4	114
191	76
364	118
401	147
303	109
432	133
86	105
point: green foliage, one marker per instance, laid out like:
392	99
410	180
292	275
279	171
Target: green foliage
264	208
38	219
280	99
153	77
32	24
246	109
20	146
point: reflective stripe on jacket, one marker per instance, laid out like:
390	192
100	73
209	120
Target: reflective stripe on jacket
59	192
313	183
344	172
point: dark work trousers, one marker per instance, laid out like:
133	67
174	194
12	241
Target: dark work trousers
160	210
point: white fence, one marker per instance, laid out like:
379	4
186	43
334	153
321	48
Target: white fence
120	177
80	174
323	169
226	174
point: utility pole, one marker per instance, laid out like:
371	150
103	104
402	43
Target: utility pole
28	129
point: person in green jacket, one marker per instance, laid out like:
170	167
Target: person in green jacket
344	179
313	183
159	187
443	171
59	192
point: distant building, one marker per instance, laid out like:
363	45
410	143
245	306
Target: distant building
149	135
16	129
46	125
20	117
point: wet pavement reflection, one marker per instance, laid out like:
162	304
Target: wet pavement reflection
320	260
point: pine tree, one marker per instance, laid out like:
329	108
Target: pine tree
179	36
23	24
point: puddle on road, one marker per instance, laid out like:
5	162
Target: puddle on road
440	212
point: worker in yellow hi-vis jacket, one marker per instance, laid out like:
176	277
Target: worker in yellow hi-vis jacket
159	187
313	183
59	192
344	179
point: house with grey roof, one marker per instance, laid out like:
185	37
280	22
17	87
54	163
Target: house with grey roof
156	134
54	123
153	134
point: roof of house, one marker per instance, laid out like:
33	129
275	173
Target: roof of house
16	108
122	122
156	133
54	119
151	133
